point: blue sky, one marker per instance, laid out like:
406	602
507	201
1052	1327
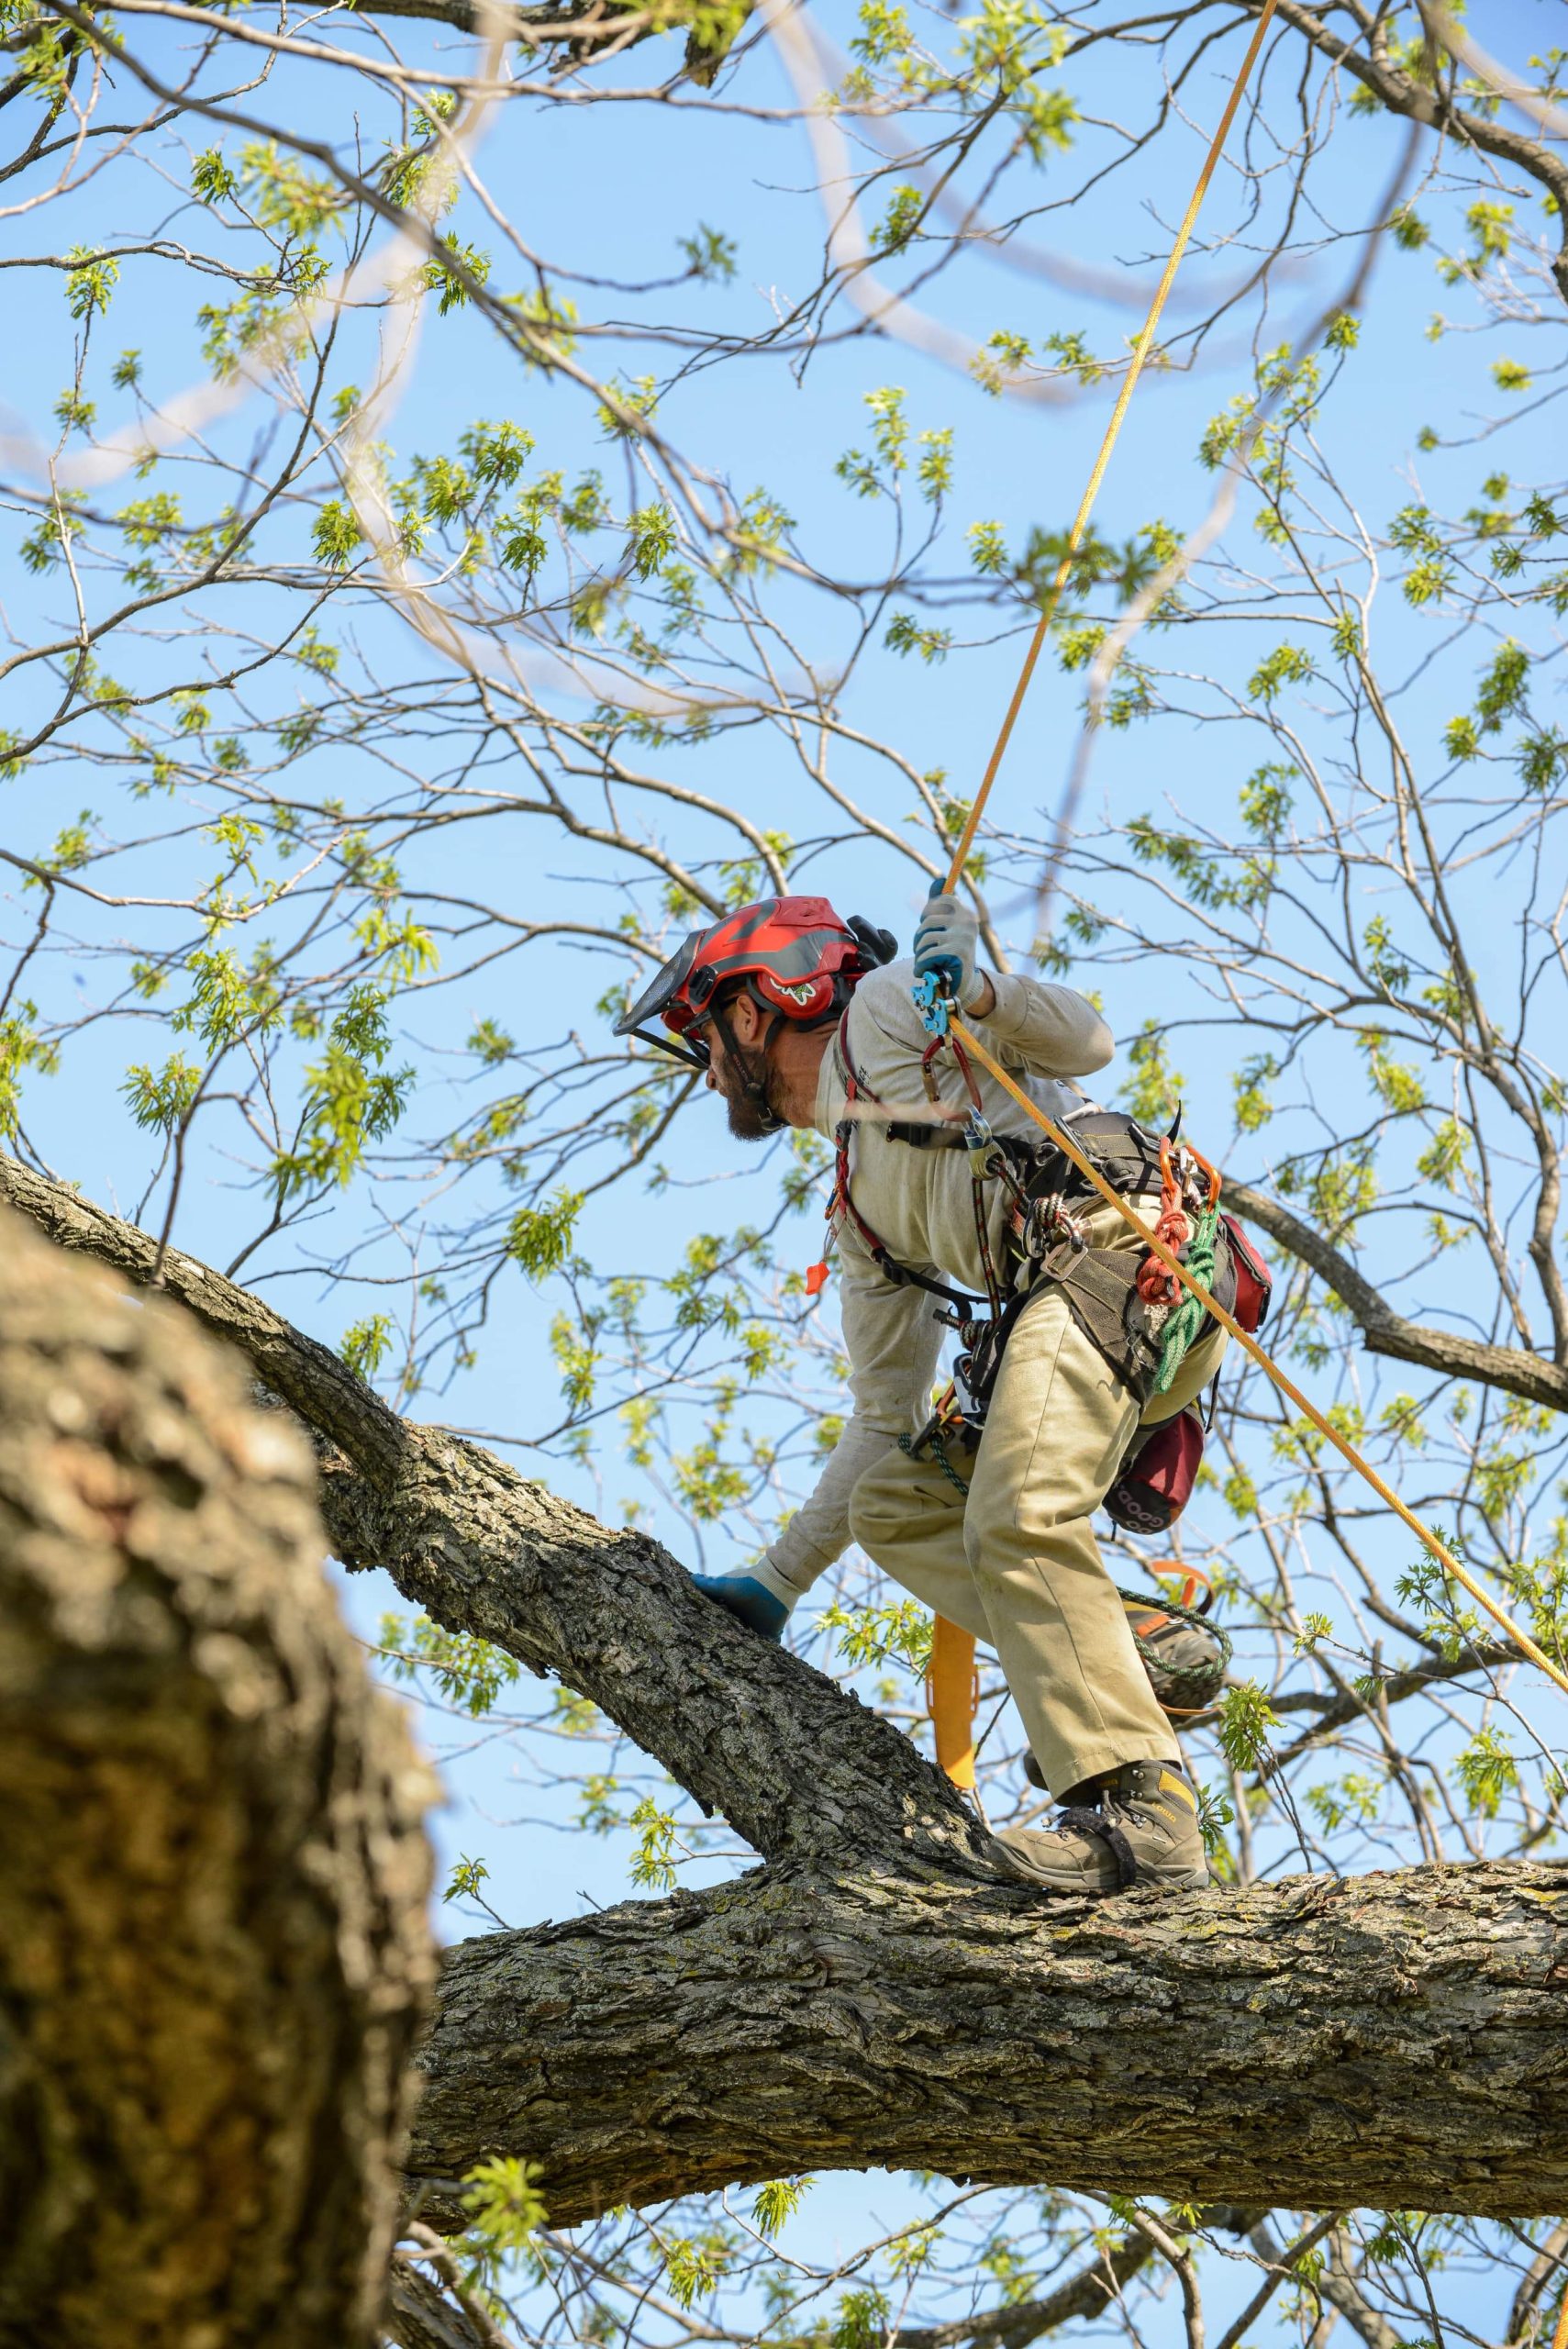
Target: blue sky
611	192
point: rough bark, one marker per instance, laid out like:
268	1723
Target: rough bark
214	1950
878	1995
800	1769
1516	1372
420	2315
1394	2038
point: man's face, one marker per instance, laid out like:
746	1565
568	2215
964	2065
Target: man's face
728	1079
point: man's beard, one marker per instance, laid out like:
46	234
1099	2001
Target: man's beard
748	1120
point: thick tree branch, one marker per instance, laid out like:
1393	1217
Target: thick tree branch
420	2315
214	1947
1387	1332
1392	2040
801	1769
318	1383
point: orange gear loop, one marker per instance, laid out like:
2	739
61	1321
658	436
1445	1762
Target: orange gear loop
1155	1286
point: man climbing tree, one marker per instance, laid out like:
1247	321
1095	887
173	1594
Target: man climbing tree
489	490
984	1512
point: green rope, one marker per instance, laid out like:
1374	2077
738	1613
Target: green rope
1187	1318
907	1445
1192	1687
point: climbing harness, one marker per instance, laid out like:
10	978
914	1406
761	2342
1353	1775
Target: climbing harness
1131	1322
1287	1387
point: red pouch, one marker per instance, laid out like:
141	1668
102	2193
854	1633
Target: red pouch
1158	1472
1254	1282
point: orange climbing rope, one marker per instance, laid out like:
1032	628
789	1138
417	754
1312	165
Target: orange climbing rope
951	1682
950	1679
1141	349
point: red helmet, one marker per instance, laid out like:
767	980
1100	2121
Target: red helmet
798	958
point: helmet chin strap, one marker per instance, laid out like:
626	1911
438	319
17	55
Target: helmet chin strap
753	1067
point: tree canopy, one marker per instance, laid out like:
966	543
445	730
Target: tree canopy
486	488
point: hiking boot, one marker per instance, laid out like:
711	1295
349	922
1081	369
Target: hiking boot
1141	1829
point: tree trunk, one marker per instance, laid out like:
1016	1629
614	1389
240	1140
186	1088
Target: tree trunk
878	1994
214	1947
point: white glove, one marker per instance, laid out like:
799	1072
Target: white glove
946	944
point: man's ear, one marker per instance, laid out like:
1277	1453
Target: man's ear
745	1019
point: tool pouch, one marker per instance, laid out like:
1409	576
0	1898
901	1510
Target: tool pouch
1158	1472
1253	1281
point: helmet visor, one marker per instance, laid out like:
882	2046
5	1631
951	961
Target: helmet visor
657	1000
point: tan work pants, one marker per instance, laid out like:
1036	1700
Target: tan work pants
1015	1561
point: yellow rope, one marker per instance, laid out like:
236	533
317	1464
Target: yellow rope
951	1678
1173	1263
1144	344
1064	1141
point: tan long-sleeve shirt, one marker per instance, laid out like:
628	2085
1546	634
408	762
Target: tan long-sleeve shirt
920	1203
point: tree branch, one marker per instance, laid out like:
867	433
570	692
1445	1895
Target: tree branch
1087	2293
1384	1331
881	1996
420	2316
1388	2040
801	1769
1430	103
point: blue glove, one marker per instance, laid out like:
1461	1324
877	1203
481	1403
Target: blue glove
761	1599
946	945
